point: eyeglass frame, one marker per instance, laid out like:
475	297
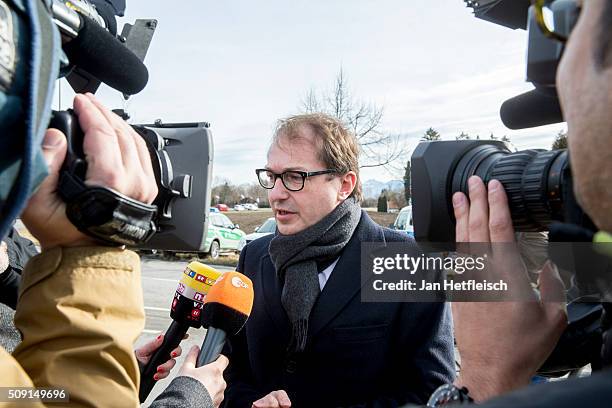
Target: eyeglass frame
303	174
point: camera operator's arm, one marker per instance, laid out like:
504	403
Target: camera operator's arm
80	306
502	344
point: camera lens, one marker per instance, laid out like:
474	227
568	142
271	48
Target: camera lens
533	181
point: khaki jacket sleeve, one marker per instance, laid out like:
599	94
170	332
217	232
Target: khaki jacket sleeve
13	376
80	311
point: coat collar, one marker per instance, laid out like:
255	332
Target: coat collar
343	284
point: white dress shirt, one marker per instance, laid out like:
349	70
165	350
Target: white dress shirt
325	274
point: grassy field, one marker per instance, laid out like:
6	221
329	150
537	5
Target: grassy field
249	220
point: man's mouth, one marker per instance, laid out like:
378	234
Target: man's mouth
283	213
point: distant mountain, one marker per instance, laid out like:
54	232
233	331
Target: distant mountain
372	188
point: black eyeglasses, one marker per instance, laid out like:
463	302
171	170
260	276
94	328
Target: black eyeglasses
555	21
293	180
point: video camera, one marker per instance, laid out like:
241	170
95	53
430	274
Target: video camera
538	183
181	153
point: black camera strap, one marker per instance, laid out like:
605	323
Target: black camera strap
97	211
106	214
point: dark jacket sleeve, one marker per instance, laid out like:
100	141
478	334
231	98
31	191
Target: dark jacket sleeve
425	357
240	391
9	287
433	362
592	392
19	250
184	392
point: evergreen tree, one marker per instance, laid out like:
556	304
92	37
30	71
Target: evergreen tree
407	191
431	135
382	201
560	141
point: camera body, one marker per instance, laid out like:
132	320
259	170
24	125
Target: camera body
182	158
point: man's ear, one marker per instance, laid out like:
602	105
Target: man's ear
348	182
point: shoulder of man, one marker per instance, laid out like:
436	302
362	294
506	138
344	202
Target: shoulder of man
252	253
259	246
396	236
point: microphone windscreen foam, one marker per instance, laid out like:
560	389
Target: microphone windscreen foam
188	301
102	55
229	303
531	109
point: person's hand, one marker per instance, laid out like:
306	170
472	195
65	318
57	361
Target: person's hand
275	399
210	375
144	354
116	158
502	344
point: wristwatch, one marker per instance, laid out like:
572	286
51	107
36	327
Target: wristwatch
449	394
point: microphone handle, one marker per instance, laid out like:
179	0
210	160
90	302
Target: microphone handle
172	339
211	346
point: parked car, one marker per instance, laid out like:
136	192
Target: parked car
223	235
403	222
239	207
222	207
214	209
251	206
267	228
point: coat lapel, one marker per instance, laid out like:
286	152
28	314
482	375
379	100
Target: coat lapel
272	294
345	280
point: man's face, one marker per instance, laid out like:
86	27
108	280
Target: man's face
297	210
585	92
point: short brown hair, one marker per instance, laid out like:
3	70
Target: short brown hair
338	148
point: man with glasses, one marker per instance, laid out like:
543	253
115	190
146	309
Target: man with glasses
310	340
502	345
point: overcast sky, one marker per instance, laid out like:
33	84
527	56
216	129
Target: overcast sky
243	64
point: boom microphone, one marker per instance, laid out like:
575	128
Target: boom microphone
89	46
186	312
226	310
96	51
531	109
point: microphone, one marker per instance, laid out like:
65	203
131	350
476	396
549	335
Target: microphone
186	312
531	109
226	310
96	51
89	46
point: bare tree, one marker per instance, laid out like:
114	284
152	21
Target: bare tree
465	136
364	119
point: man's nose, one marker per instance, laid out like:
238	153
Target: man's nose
278	192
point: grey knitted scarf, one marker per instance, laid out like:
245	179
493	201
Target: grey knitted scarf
295	258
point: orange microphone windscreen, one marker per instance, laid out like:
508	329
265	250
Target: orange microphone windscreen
229	302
